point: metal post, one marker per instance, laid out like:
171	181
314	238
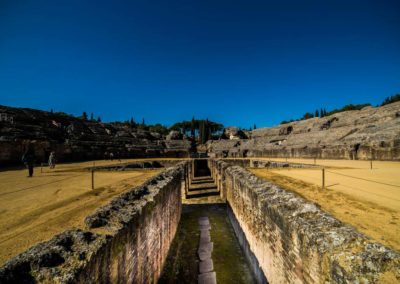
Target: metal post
41	168
323	178
371	164
92	178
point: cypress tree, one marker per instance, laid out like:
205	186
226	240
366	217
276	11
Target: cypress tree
192	127
206	131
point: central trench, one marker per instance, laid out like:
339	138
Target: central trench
229	261
182	264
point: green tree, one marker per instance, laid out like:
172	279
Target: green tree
158	128
132	123
202	135
391	99
307	115
193	127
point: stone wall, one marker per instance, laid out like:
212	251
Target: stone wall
76	139
126	241
257	163
290	240
370	133
148	164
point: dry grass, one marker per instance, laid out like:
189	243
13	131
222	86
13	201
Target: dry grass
373	208
35	209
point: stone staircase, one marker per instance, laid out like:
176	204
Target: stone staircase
202	186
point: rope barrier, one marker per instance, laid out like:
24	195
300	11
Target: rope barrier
382	183
380	195
39	185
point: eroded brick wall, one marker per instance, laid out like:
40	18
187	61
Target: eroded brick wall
290	240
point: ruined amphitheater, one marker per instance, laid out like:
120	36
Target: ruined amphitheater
239	210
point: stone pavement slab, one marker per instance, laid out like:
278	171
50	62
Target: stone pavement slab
204	222
206	266
203	255
207	278
204	227
205	238
206	247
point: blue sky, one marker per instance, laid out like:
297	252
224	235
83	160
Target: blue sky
236	62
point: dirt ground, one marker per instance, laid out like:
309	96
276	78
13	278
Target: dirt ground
366	199
35	209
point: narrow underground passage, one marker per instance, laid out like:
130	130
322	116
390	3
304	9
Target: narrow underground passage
228	261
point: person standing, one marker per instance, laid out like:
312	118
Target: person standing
29	159
52	160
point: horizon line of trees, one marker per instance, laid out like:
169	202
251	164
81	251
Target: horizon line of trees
322	112
203	129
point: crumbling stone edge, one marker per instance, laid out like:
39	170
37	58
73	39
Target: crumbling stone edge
126	240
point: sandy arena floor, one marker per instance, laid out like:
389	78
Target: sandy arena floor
367	199
34	209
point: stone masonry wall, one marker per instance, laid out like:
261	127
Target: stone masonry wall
257	163
370	133
290	240
126	241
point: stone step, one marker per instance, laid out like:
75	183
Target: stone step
205	187
202	193
209	180
199	179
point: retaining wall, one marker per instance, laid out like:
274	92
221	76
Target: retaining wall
290	240
258	163
126	241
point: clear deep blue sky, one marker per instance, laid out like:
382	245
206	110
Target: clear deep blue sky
236	62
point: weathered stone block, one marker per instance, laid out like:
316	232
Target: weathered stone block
207	278
206	266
